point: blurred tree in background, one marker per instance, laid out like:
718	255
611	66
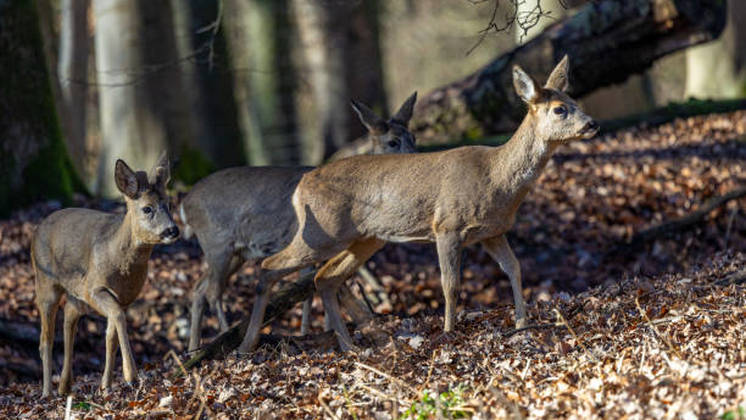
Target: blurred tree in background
228	82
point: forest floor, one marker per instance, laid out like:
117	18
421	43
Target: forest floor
654	329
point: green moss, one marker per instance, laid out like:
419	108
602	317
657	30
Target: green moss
482	141
192	166
43	169
475	132
674	110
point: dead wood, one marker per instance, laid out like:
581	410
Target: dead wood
282	301
679	224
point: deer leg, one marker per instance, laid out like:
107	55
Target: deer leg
355	308
217	287
73	311
266	281
47	300
111	353
198	307
449	258
110	307
305	323
500	251
333	274
209	284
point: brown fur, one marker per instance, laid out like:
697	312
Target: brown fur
245	214
99	260
453	198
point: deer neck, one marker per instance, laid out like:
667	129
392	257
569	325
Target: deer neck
519	162
126	250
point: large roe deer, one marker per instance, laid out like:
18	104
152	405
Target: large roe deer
99	260
244	214
348	209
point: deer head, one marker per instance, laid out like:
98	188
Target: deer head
147	201
389	136
558	118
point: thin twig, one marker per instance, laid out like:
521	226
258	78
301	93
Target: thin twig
326	407
531	327
655	330
730	225
173	354
569	328
387	376
737	277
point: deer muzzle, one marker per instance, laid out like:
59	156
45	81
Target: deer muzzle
169	235
590	129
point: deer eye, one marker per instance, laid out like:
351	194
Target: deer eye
560	110
147	210
393	143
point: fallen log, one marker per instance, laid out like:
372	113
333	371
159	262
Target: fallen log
280	303
679	224
607	40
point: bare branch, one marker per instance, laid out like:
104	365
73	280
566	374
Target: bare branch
524	21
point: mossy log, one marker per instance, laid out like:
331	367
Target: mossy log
607	41
34	163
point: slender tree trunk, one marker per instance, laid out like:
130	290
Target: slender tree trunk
34	163
130	129
171	88
607	41
258	37
718	69
72	74
223	142
342	61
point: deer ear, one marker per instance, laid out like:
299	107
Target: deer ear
126	180
524	85
404	114
370	119
560	77
161	172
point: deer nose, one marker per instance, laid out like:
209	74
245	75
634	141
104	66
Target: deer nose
170	233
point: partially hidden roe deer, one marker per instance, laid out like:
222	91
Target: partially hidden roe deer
348	210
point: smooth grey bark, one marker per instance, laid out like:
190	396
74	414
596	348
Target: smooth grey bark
34	163
72	72
341	61
718	69
130	129
258	38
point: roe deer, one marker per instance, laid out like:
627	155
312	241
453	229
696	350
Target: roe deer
99	260
244	214
347	210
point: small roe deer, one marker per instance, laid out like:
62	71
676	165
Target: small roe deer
245	214
347	210
99	260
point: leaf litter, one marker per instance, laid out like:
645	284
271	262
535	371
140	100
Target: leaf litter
639	334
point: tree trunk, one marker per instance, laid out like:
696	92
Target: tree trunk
72	72
170	91
607	41
223	143
34	163
130	128
342	61
718	69
258	38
